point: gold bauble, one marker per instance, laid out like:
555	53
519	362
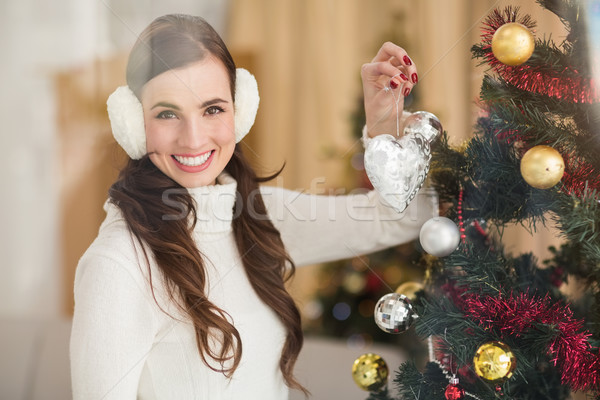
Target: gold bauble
494	362
542	167
370	372
513	44
409	289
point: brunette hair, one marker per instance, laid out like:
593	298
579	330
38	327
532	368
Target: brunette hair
169	42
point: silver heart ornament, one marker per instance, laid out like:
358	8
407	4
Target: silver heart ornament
397	167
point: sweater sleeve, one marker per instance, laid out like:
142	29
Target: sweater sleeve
316	228
113	331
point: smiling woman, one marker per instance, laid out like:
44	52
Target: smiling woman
187	111
188	114
182	295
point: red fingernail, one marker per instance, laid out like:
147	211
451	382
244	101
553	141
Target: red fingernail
406	92
403	77
407	60
393	84
415	78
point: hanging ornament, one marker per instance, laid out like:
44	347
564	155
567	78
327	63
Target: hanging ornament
397	167
494	362
370	372
439	236
394	313
513	44
542	167
454	391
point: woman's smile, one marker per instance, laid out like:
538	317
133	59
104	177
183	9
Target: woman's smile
191	163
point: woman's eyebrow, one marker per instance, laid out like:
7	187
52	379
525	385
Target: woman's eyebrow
212	101
175	107
166	105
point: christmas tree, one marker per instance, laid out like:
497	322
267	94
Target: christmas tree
498	325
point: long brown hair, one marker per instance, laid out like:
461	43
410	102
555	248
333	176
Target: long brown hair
174	41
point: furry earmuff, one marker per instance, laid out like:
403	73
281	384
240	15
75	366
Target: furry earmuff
127	117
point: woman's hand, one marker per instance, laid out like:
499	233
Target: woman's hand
387	79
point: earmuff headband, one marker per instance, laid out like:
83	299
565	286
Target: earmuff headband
127	116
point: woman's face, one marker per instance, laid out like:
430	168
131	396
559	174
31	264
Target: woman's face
188	113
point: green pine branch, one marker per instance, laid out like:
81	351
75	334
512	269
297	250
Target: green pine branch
579	221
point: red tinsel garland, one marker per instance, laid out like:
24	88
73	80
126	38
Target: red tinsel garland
570	349
579	175
566	84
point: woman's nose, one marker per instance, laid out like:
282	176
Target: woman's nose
191	135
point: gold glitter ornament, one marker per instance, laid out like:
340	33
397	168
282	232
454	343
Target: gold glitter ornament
409	289
370	372
494	362
542	167
513	44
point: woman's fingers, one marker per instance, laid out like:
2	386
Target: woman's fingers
379	75
374	71
387	79
394	54
389	50
391	67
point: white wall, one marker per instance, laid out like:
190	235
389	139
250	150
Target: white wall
38	39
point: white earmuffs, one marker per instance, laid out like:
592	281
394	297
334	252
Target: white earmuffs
127	117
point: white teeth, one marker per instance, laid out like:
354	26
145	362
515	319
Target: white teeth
193	161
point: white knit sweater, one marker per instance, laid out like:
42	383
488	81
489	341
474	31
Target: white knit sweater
123	346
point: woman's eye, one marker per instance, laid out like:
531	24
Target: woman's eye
167	114
213	110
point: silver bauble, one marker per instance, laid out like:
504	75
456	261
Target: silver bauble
394	313
397	167
439	236
424	124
